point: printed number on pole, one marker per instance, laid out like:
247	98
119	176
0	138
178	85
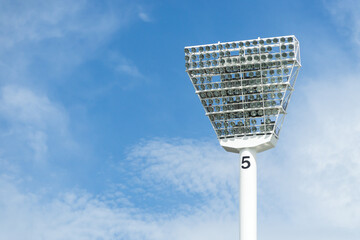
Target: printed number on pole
245	164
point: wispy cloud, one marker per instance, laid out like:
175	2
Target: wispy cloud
204	169
54	37
144	14
31	22
79	215
346	14
129	68
193	166
29	118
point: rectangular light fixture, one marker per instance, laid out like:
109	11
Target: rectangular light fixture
245	87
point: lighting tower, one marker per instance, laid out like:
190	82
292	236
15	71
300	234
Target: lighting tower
245	88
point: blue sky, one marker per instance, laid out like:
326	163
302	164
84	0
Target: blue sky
102	136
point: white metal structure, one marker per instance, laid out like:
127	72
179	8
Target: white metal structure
245	88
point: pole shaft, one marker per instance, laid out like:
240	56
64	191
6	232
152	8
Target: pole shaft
248	195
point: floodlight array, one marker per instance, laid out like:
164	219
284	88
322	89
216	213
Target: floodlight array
245	86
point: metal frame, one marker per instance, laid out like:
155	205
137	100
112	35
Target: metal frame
245	86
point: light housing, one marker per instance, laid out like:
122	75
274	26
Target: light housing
245	88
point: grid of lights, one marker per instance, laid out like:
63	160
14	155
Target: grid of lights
245	86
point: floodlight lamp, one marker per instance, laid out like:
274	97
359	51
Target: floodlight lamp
245	80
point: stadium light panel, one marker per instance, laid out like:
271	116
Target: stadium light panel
240	69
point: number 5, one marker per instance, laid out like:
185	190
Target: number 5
243	161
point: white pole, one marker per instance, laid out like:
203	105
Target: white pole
248	195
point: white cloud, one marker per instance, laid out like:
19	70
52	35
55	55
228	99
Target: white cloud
144	16
23	106
53	37
314	207
327	150
77	216
143	13
190	165
30	118
33	21
129	68
346	14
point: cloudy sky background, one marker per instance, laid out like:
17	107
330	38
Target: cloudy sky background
102	136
